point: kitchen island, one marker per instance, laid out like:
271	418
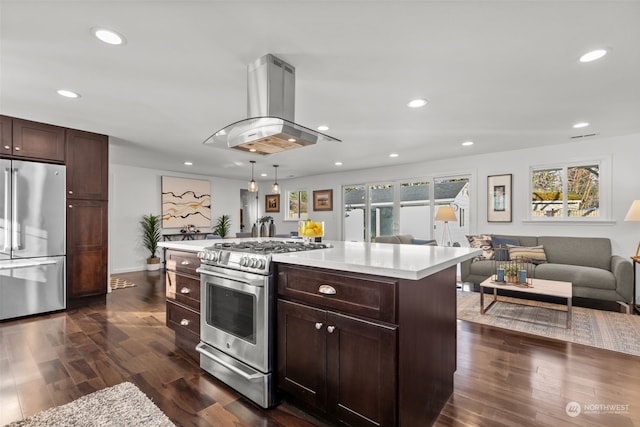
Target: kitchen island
366	332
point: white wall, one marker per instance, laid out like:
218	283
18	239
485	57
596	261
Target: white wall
621	155
137	191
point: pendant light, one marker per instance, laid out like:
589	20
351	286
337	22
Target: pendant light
252	184
275	188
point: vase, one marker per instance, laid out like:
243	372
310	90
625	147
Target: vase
263	230
254	230
272	229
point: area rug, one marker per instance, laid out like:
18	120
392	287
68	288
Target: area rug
122	405
117	283
597	328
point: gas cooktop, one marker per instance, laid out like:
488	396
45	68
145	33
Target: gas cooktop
269	246
251	255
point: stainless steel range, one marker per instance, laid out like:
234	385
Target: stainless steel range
238	314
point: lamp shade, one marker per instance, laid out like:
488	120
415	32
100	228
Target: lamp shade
446	213
634	212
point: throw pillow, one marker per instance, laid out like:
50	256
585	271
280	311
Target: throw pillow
481	241
535	253
501	243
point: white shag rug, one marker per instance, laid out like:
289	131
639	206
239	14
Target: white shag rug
122	405
597	328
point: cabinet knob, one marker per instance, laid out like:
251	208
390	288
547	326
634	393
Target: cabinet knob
327	290
318	325
70	192
70	206
16	148
184	322
330	329
7	147
185	290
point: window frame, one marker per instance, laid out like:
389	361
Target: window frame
287	210
604	190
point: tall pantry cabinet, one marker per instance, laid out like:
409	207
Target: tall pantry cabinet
87	159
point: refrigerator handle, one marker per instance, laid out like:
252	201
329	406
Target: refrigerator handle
7	227
14	205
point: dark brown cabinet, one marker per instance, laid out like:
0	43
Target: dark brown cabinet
367	350
183	299
86	156
86	248
32	140
340	364
87	165
87	160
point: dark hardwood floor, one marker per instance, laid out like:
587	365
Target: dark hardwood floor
503	378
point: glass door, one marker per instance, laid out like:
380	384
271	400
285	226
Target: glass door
355	213
381	202
451	228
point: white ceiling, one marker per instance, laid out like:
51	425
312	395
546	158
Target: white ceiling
504	74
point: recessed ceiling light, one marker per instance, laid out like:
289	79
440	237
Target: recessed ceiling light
467	143
323	127
291	140
188	163
263	174
253	150
68	93
581	125
338	163
417	103
108	36
593	55
393	155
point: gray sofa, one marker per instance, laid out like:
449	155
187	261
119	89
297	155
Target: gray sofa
586	262
405	239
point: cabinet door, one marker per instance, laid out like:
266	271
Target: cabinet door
361	371
38	140
302	352
86	248
5	135
87	165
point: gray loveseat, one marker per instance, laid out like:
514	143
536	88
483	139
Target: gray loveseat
403	239
586	262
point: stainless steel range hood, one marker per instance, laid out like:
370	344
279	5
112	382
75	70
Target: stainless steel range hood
270	127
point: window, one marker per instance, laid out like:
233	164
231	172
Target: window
297	206
570	191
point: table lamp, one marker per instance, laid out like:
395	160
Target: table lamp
634	215
446	214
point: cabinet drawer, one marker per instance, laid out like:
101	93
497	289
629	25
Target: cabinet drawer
350	293
184	289
182	262
188	291
182	319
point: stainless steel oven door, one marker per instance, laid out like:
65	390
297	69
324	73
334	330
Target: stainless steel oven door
235	316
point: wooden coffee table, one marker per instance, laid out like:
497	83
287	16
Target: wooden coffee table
539	287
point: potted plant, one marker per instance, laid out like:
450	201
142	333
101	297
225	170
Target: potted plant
150	227
223	225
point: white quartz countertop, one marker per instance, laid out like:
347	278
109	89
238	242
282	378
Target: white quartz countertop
383	259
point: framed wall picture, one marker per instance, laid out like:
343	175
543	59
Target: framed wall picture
185	201
323	200
499	198
272	203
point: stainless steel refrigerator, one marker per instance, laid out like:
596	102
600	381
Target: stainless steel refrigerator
32	238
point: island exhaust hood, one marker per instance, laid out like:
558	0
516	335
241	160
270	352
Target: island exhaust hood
270	107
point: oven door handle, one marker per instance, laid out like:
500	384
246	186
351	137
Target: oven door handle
258	283
249	377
